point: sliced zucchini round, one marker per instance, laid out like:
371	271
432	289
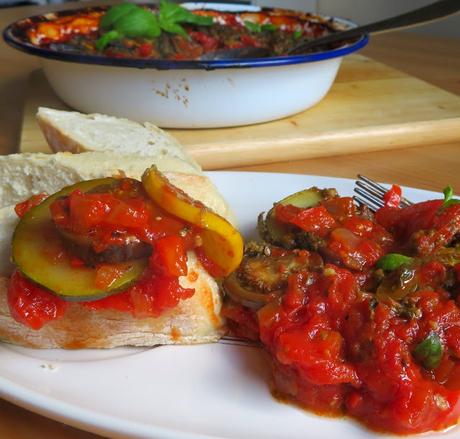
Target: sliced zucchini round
274	232
40	255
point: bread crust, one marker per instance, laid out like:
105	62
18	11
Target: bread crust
192	321
150	140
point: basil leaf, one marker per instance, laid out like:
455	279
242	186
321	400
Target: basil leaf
297	34
199	20
173	28
114	13
429	351
102	42
171	14
448	194
138	23
392	261
268	27
257	28
253	27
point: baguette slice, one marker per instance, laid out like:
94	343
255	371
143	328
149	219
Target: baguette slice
195	320
78	132
23	175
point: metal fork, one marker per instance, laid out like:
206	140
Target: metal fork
239	341
370	194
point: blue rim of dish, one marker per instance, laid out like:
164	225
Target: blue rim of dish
165	64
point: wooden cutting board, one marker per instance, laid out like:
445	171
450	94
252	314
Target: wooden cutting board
370	107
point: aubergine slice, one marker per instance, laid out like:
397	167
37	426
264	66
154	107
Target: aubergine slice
273	232
39	253
262	278
82	247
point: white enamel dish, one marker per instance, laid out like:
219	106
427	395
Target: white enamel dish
190	94
180	392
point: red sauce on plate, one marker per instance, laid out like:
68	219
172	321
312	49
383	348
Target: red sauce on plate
351	339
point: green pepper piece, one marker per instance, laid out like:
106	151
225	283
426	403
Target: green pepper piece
297	34
448	197
268	27
392	261
253	27
429	351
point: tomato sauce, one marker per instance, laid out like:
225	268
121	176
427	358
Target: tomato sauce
378	343
32	305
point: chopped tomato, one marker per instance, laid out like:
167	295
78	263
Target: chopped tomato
402	223
340	208
22	208
145	50
425	226
118	302
150	297
31	305
315	219
169	257
354	252
392	197
250	41
208	42
210	266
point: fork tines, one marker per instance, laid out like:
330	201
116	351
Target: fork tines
370	194
238	341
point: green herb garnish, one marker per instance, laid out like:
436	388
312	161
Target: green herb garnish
253	27
392	261
448	197
115	13
258	28
172	14
268	27
128	20
132	21
297	34
429	351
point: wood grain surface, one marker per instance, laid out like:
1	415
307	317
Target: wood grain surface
435	60
370	107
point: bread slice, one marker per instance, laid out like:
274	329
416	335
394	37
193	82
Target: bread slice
23	175
77	132
195	320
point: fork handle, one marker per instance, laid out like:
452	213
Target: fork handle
416	17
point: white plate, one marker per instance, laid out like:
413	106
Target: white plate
178	391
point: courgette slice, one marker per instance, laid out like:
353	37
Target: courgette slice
222	243
39	253
271	230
